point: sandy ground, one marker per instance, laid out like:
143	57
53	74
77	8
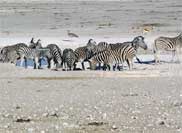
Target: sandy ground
147	99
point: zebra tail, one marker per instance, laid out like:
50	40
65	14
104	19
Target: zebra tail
154	47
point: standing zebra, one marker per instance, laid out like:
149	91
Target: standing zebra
119	53
68	59
84	53
173	44
9	53
94	49
54	54
26	52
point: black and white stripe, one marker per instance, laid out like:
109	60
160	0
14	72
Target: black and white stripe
9	53
119	53
26	53
69	59
83	54
172	44
54	54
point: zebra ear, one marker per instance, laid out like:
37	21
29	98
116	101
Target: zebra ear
38	41
32	40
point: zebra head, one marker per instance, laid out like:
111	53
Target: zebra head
139	42
3	54
91	45
32	43
36	45
179	39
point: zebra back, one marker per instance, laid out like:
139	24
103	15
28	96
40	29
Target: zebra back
167	43
69	57
10	52
55	53
82	53
27	52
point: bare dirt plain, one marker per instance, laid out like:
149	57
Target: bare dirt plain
91	101
147	99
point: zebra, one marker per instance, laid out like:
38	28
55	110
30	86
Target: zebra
69	59
172	44
94	49
9	53
119	53
54	54
26	52
84	53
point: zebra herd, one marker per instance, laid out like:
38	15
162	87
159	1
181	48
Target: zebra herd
107	56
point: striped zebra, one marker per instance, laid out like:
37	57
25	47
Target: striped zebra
119	53
94	49
83	54
69	59
26	53
53	55
9	53
172	44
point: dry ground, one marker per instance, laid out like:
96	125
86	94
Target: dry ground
142	100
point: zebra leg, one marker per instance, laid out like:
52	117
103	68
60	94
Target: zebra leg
104	68
66	66
177	55
90	64
40	63
173	55
48	63
83	67
128	63
99	66
21	63
52	64
74	68
93	66
158	53
36	62
25	62
115	67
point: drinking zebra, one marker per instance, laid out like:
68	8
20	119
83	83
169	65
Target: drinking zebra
84	53
54	54
172	44
68	59
119	53
51	52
